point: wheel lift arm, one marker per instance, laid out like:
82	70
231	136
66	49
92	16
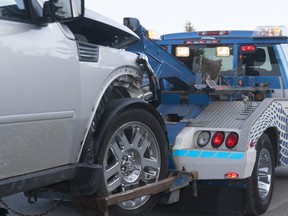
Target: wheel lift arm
173	182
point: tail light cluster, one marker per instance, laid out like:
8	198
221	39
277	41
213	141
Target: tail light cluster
217	139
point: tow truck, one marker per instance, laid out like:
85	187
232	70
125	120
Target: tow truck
223	99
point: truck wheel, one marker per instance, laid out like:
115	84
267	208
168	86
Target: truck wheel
134	153
261	183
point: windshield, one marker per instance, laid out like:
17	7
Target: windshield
213	64
13	9
205	59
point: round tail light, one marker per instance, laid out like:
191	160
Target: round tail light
232	140
203	138
218	139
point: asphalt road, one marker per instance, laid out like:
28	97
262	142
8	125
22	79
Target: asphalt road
187	206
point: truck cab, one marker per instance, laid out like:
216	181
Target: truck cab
231	57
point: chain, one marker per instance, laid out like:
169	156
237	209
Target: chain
52	208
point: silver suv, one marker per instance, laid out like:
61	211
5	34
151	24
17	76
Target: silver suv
75	115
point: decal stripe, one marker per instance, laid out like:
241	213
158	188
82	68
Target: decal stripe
209	154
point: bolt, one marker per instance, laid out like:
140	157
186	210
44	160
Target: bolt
122	187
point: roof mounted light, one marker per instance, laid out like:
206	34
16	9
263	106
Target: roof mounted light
213	33
152	34
206	41
270	31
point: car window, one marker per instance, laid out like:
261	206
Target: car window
13	10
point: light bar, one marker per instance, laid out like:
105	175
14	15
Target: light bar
213	33
270	31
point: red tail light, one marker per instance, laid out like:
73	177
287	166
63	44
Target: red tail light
218	139
248	48
232	140
213	33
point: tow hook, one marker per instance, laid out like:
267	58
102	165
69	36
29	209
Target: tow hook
31	196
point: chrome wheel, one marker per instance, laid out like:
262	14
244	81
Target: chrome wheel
131	159
260	185
264	173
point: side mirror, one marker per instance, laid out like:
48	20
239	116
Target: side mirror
131	23
64	10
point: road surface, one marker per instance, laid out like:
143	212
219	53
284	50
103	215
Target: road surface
187	206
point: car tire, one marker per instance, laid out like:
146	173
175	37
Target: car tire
134	152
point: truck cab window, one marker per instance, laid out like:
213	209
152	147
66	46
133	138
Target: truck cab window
263	62
13	10
204	59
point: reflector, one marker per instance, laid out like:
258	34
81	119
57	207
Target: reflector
231	175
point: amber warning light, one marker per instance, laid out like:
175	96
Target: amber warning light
231	175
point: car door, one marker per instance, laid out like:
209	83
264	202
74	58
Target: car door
39	93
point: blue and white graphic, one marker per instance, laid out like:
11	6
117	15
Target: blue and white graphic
274	116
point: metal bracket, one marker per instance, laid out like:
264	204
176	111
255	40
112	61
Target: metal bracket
174	182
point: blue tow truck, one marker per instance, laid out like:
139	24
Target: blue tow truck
223	98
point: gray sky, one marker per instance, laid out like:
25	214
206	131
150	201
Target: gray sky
170	16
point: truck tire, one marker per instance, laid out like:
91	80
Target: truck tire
261	183
134	152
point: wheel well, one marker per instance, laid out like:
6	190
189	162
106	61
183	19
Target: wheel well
119	92
117	106
125	86
274	139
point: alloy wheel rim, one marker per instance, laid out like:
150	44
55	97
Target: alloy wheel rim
132	159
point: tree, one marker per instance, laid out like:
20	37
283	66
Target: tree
189	27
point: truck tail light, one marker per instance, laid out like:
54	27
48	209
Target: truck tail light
232	140
218	139
203	138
